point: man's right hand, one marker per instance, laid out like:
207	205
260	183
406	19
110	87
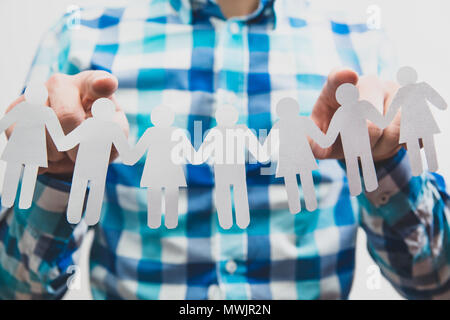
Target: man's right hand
379	93
71	98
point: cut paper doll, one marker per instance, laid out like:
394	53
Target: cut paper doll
225	145
161	170
95	137
350	121
26	147
294	152
417	122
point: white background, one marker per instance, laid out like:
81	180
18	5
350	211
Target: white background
419	30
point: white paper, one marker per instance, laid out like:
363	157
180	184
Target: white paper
163	173
26	148
167	148
95	137
295	156
417	121
350	122
225	145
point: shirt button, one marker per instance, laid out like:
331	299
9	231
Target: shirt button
214	292
231	266
384	198
234	28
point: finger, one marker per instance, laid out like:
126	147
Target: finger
121	119
95	84
52	152
387	146
333	152
327	104
88	87
325	107
64	166
372	89
42	170
64	99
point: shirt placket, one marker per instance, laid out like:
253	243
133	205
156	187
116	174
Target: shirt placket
231	63
230	76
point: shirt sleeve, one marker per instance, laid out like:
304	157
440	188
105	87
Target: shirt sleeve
407	218
406	222
38	245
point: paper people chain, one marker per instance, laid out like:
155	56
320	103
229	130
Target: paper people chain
224	147
350	122
294	152
417	122
26	148
229	165
160	171
95	137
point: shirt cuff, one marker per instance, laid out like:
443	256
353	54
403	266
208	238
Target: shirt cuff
393	174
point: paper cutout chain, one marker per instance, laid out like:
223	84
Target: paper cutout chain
224	146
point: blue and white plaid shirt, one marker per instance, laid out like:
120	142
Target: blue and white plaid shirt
185	54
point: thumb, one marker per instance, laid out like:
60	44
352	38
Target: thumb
326	105
94	85
336	77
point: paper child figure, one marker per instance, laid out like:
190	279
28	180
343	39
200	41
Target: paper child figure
161	169
26	148
295	155
417	122
95	137
350	122
226	146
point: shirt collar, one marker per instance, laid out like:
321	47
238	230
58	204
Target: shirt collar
187	9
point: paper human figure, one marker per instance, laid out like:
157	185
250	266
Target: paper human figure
225	145
417	121
162	172
95	137
350	121
294	152
26	148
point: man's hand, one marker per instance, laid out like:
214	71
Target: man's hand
384	143
71	98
